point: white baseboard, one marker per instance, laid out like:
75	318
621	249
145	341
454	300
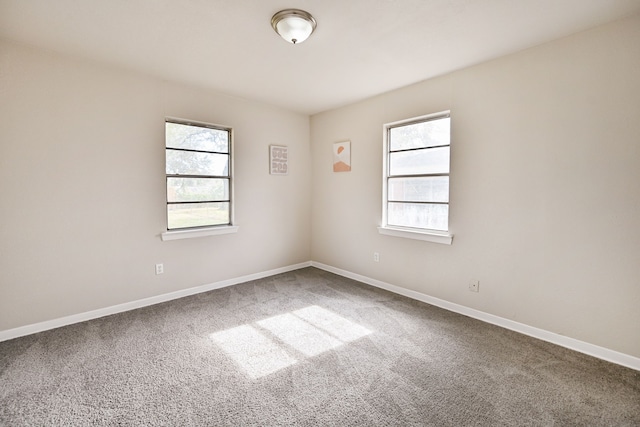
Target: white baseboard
570	343
94	314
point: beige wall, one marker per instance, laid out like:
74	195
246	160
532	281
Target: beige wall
545	188
82	186
545	193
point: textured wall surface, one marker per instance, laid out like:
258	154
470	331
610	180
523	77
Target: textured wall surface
545	206
83	188
545	201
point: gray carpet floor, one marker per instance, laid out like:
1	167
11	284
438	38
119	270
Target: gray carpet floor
305	348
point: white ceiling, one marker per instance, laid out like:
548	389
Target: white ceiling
360	48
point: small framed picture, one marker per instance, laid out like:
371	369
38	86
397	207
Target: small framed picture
342	156
278	160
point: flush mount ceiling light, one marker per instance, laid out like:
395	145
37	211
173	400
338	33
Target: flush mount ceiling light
293	25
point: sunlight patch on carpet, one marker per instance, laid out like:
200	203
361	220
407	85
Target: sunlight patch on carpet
297	333
256	353
307	332
343	329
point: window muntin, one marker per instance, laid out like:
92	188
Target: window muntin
417	173
419	161
197	189
198	172
190	162
419	133
419	189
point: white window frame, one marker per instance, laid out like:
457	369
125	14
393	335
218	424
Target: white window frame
185	233
435	236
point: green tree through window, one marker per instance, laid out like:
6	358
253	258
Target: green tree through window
198	170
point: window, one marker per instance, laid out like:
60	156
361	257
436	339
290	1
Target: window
416	177
198	169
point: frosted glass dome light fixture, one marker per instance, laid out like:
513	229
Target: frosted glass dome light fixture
293	25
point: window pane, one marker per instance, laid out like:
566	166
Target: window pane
418	215
423	189
196	138
197	214
420	135
418	162
197	189
190	163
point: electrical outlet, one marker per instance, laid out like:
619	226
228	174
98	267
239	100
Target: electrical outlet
376	257
159	268
474	286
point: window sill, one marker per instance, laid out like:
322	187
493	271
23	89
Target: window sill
412	233
199	232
